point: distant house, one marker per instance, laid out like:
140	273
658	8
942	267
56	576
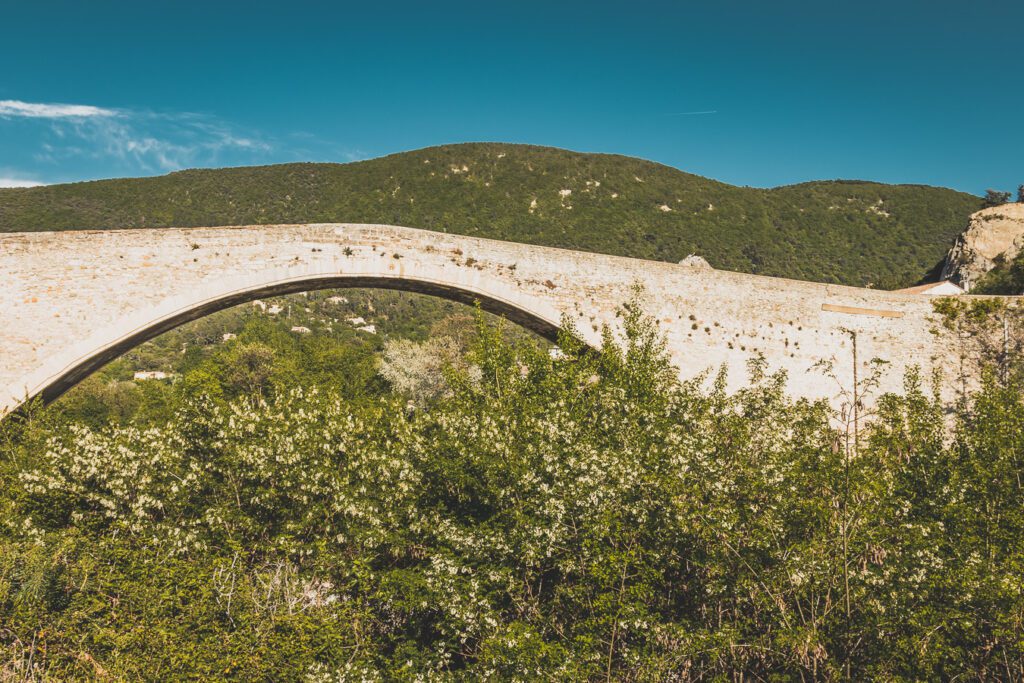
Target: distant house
150	374
299	329
356	321
941	288
275	309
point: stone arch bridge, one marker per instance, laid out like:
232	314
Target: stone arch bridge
74	300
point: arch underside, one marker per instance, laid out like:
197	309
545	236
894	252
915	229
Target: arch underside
81	369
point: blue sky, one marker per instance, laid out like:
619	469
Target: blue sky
752	93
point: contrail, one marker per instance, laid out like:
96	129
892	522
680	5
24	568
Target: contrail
693	113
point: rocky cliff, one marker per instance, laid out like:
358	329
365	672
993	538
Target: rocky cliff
994	235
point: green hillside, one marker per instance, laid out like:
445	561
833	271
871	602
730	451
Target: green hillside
851	232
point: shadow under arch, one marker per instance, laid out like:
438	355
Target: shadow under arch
539	320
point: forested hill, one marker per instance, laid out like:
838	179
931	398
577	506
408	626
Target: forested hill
851	232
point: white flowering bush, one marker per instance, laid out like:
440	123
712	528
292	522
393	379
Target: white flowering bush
418	369
586	517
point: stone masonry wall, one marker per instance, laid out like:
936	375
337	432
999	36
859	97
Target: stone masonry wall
71	299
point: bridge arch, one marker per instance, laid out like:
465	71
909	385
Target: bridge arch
106	345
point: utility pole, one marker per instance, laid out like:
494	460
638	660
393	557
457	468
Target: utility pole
856	398
846	500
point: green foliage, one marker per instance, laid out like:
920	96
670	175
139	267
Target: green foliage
579	518
989	338
1007	277
850	232
996	197
973	311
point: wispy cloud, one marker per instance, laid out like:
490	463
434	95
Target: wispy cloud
693	113
158	142
134	140
41	110
6	181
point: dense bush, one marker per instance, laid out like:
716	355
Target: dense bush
586	517
1007	277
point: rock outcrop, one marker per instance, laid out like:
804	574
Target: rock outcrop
993	234
695	261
